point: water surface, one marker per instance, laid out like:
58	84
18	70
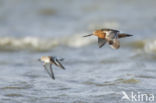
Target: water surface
30	29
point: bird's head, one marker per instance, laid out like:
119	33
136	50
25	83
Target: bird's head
44	58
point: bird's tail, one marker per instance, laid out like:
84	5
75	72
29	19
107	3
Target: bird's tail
123	35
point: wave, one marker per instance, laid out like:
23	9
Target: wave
150	46
146	46
42	44
75	41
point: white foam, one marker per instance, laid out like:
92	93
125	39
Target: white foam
43	44
150	46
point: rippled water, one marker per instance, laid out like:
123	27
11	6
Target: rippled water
30	29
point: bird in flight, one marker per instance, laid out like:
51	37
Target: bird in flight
109	36
50	60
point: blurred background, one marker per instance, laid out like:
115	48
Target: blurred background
30	29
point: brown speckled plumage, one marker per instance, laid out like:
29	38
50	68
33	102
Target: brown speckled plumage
110	36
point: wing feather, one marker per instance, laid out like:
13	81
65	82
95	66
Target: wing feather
50	73
58	63
101	42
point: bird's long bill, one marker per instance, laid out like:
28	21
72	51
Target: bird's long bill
88	35
123	35
59	64
50	71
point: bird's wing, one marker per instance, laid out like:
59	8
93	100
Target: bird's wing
61	59
122	35
50	73
107	29
101	42
58	63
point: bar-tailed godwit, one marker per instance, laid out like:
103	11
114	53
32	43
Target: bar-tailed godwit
51	60
109	36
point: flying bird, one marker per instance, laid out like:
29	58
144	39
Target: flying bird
50	60
109	36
